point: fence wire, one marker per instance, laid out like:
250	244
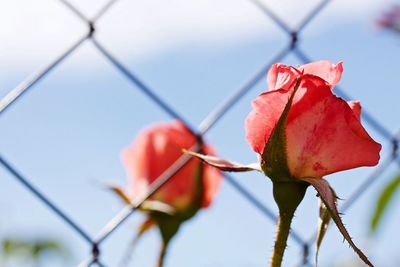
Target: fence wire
214	116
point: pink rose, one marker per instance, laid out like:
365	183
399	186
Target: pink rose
301	132
153	151
194	186
323	132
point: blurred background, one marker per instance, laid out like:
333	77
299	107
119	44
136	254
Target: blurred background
66	133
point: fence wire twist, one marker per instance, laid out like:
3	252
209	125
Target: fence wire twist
207	124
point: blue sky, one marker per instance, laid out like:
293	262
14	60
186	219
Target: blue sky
66	134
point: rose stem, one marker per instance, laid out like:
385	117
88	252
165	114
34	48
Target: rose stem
162	254
285	219
288	196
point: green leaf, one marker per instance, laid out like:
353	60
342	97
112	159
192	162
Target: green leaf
31	249
383	201
16	248
46	246
329	198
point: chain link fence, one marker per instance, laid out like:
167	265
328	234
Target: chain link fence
291	47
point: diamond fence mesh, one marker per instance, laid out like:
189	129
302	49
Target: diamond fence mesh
211	121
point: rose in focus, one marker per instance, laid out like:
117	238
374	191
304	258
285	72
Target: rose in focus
301	132
323	132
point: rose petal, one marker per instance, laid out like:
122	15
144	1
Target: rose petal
324	134
356	107
324	69
281	76
267	109
150	155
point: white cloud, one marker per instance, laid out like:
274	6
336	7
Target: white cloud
34	32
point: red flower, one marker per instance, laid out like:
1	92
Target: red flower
301	132
153	151
323	132
194	186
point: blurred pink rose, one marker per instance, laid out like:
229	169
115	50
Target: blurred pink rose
153	151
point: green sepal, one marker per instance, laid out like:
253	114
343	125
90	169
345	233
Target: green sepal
329	198
274	161
288	195
119	192
198	197
224	165
168	226
147	206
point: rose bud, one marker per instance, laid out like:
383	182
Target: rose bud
193	187
323	133
301	132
